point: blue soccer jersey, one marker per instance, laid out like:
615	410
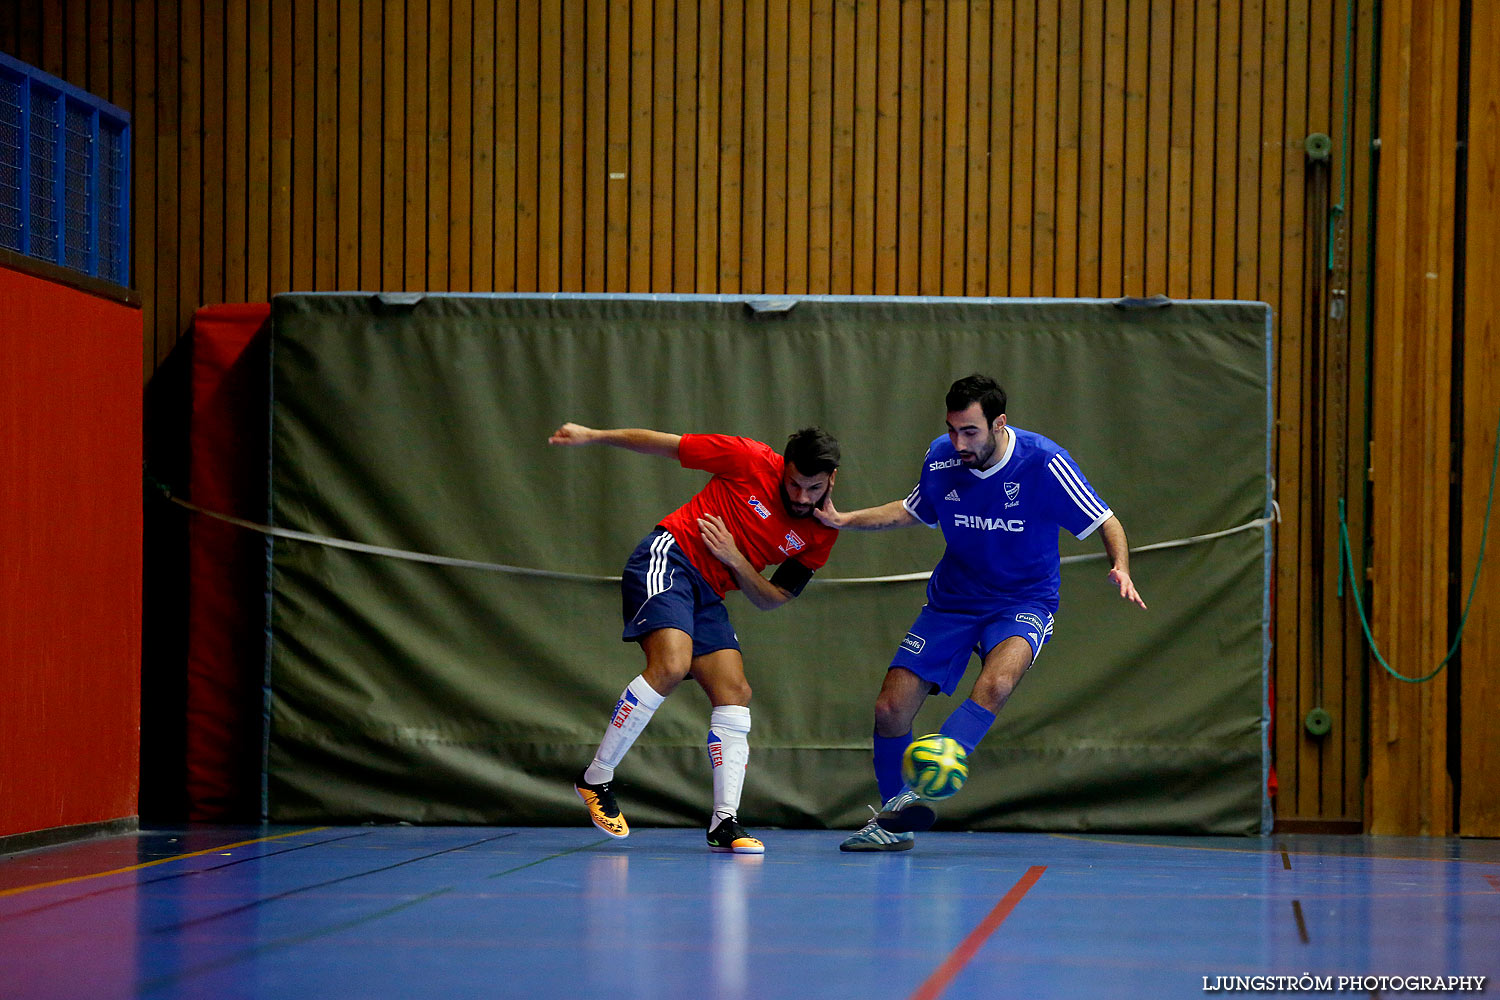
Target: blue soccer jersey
1001	524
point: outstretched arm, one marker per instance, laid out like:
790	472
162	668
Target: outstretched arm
887	515
1118	552
647	442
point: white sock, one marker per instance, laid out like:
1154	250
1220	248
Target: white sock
729	753
638	702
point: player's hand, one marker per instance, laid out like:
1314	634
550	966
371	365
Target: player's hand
718	540
572	434
828	514
1121	579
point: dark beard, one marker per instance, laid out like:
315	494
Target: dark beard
786	503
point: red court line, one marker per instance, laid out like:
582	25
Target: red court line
969	946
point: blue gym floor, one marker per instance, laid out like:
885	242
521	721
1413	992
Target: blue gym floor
370	912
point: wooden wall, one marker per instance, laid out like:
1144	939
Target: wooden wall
1037	147
1478	680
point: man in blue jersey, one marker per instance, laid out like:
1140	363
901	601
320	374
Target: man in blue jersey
1000	494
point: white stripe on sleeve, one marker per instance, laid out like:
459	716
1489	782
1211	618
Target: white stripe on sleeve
1075	488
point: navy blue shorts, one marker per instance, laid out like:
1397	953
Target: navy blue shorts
938	647
660	588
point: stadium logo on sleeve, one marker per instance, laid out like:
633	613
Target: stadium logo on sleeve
759	508
913	642
950	463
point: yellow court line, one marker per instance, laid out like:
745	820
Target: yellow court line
159	861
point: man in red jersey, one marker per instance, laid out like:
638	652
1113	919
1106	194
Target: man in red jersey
755	511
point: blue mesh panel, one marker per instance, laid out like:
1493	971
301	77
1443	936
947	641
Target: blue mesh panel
64	174
111	205
10	163
44	153
77	187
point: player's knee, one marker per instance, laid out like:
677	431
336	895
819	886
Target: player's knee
890	716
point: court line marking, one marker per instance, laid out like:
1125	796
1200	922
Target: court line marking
263	900
175	875
319	932
1301	921
1267	850
16	891
969	946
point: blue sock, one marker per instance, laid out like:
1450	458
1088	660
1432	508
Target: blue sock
968	724
888	751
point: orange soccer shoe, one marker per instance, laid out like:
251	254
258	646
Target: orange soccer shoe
603	809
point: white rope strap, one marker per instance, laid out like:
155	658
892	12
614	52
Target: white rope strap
548	574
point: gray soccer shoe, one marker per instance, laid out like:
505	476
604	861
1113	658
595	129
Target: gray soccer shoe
872	837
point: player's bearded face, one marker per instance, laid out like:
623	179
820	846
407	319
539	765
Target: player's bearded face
980	452
800	493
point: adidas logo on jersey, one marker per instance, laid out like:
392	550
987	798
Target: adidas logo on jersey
952	495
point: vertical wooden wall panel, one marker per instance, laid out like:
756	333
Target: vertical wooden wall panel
1133	200
190	175
1072	147
798	78
1479	682
1181	157
460	146
503	201
572	120
659	228
1022	146
1409	791
640	148
258	191
887	151
1044	153
1112	246
685	148
619	177
754	129
1205	139
928	247
1091	146
434	272
595	153
482	184
1251	152
841	208
279	76
955	147
820	148
212	243
548	161
731	147
335	155
774	178
302	146
1158	148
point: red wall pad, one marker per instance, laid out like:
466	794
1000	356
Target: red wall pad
70	556
227	565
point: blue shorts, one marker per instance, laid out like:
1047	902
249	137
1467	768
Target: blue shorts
660	589
938	647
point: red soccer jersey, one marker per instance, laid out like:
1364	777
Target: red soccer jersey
746	492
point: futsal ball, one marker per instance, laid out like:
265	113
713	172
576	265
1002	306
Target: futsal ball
935	766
